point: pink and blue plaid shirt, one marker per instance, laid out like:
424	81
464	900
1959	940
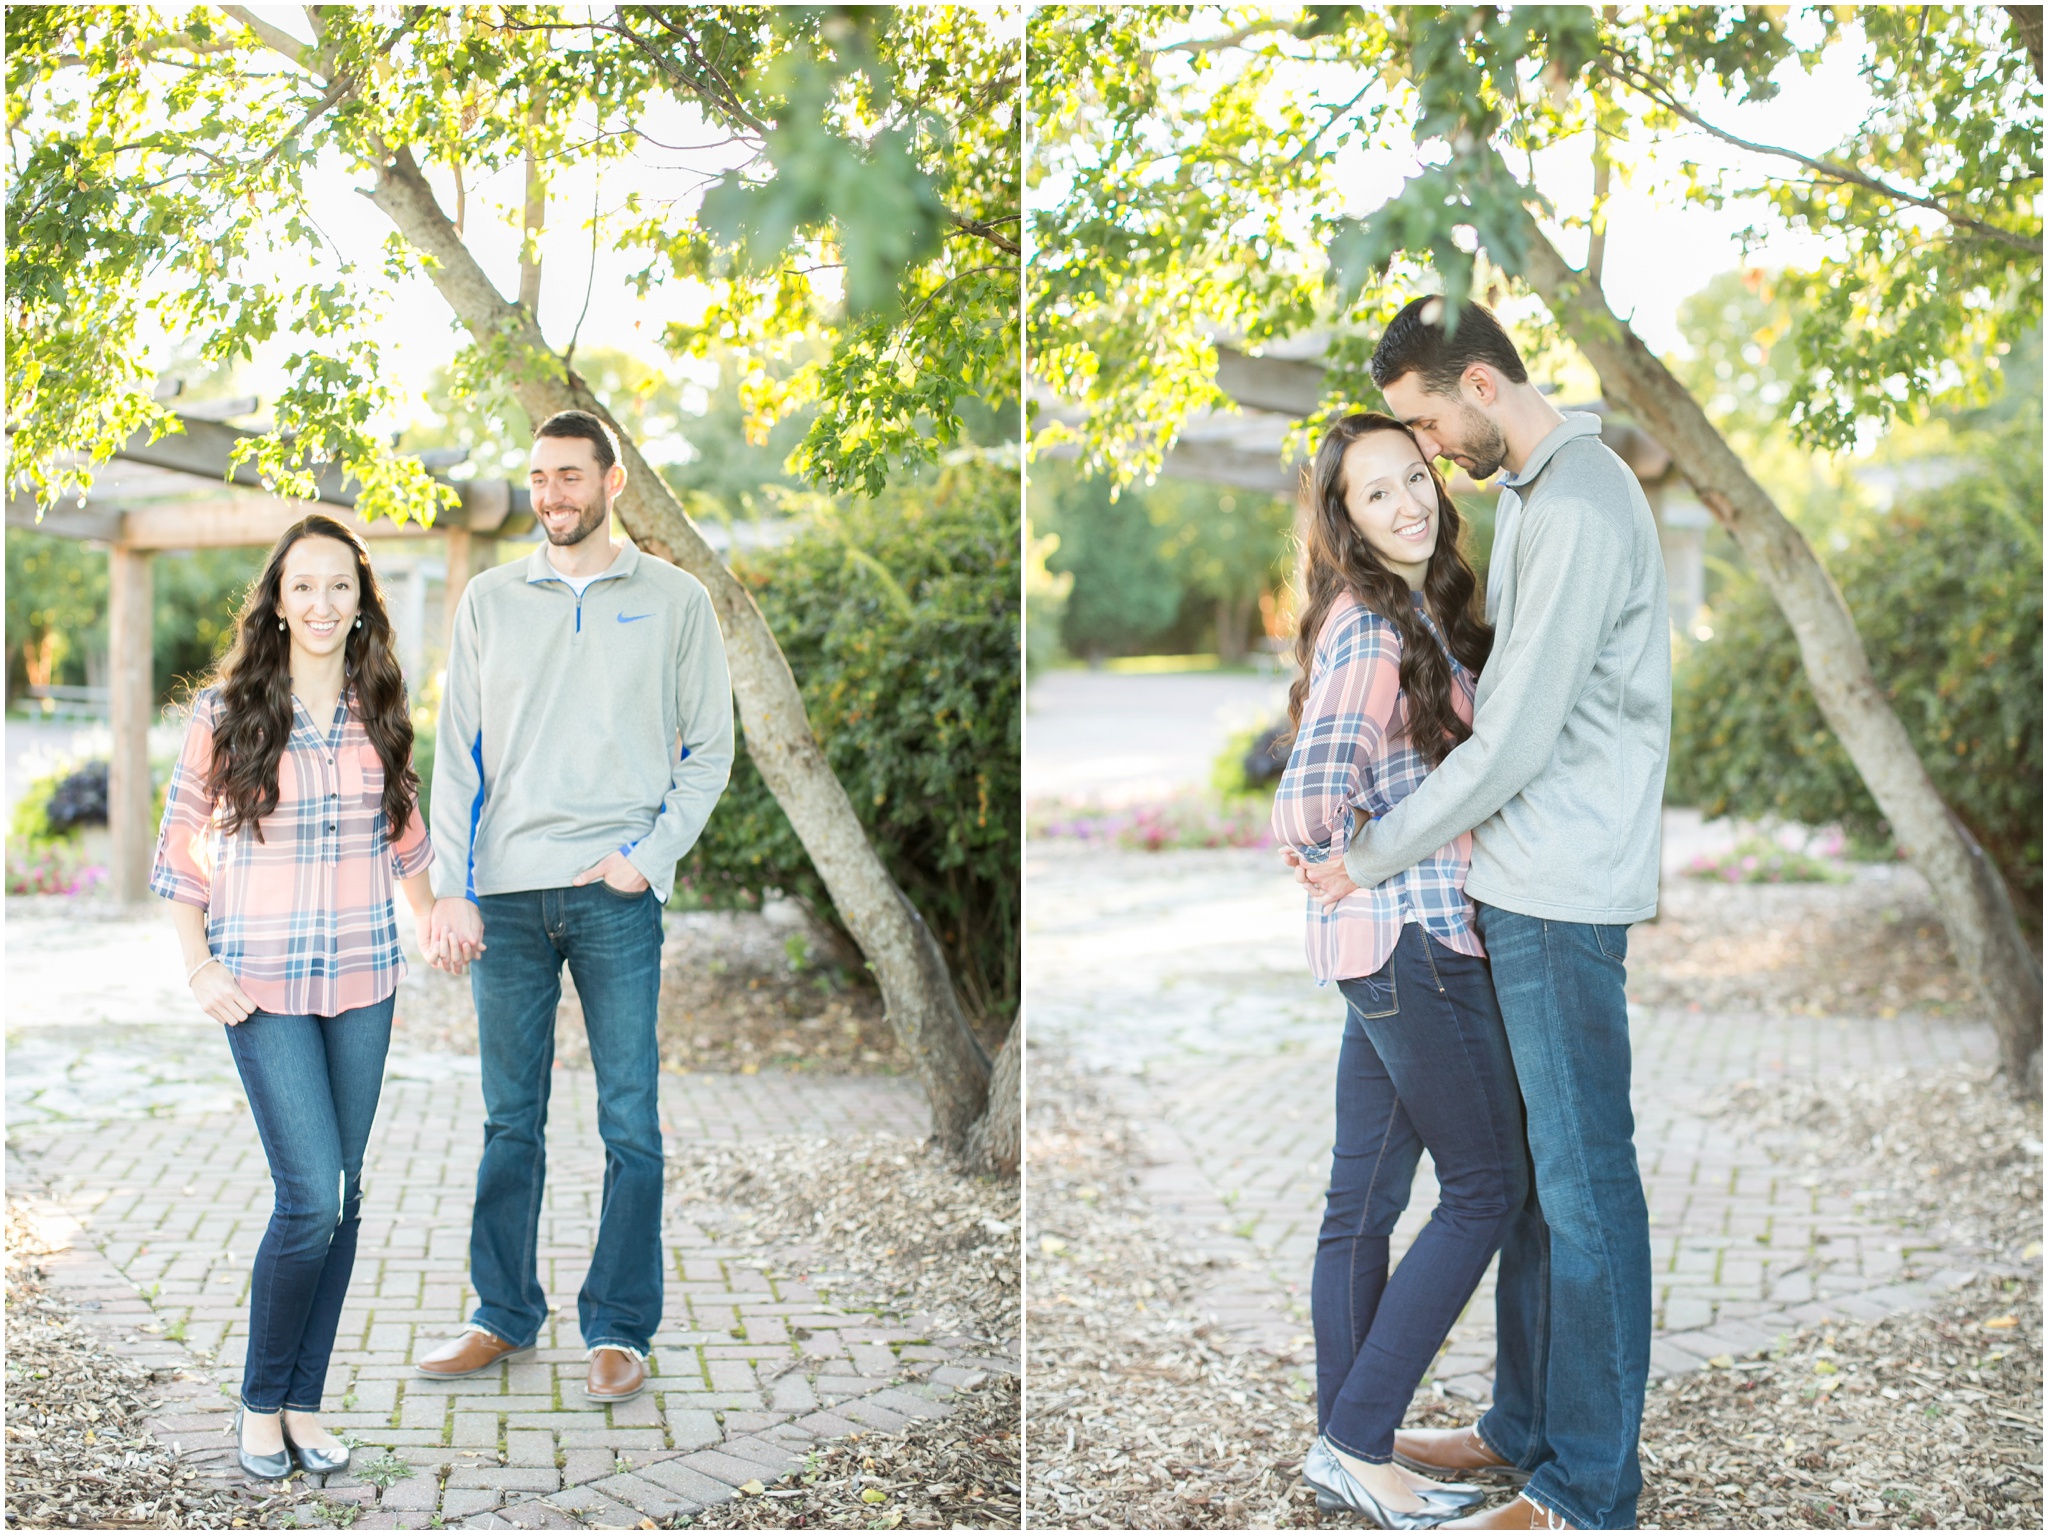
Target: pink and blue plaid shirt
1353	751
304	918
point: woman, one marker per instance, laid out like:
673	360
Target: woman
1389	649
292	809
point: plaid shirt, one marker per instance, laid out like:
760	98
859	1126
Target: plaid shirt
303	919
1352	751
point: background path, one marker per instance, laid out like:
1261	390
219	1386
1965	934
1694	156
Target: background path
140	1158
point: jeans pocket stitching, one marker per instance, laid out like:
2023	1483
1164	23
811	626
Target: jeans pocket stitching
1393	997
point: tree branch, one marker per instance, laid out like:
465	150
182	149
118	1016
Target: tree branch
279	40
1655	89
986	230
1228	40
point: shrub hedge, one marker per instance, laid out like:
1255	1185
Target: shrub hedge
899	617
1946	589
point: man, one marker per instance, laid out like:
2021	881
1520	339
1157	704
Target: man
1561	785
586	733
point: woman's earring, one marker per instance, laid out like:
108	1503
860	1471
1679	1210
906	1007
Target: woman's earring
359	623
280	626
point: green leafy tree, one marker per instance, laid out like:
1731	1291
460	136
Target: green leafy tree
1954	631
1230	547
160	168
1198	156
900	614
56	609
1124	593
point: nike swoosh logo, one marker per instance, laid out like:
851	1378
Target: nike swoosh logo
633	618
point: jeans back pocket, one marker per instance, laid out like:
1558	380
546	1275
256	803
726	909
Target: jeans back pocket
1373	996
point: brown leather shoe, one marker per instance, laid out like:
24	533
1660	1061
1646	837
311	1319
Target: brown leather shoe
470	1352
1518	1515
1449	1453
616	1375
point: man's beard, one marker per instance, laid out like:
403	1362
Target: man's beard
588	520
1484	448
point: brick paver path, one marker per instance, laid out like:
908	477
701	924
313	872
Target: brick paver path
137	1147
1179	980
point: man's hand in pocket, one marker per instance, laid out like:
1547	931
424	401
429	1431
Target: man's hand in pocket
616	871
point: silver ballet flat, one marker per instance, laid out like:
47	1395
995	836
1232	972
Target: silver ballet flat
316	1462
1323	1471
262	1468
1452	1497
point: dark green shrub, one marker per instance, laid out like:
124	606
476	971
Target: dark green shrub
900	620
1946	589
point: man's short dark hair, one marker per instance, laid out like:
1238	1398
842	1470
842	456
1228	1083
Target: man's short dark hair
581	423
1415	343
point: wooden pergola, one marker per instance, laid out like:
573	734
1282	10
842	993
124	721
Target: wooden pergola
177	494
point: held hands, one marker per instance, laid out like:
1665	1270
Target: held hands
220	995
452	935
616	871
1328	882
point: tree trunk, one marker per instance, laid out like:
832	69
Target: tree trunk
1976	908
916	987
1232	615
995	1143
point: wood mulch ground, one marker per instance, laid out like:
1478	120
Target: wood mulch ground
78	1454
1874	945
958	1472
893	1222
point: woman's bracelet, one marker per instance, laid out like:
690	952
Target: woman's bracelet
210	959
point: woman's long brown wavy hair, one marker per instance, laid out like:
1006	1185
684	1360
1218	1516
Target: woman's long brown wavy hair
1339	560
255	682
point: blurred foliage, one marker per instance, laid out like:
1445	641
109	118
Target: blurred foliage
1171	560
1045	599
900	619
1124	593
57	610
1946	589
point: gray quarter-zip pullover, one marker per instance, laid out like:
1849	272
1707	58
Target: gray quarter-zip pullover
577	726
1562	781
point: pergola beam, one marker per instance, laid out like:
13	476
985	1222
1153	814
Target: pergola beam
240	520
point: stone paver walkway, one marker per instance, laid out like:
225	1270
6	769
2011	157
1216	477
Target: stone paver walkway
1178	980
136	1148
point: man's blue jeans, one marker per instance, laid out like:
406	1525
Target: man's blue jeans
1573	1296
1424	1064
312	1085
612	944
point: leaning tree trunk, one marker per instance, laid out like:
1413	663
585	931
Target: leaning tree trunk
996	1142
910	968
1975	905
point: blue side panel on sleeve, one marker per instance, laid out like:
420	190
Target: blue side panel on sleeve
476	813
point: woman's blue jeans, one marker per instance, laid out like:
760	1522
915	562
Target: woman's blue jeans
1424	1064
312	1084
612	945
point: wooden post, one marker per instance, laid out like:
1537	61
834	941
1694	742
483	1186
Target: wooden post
130	795
461	548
